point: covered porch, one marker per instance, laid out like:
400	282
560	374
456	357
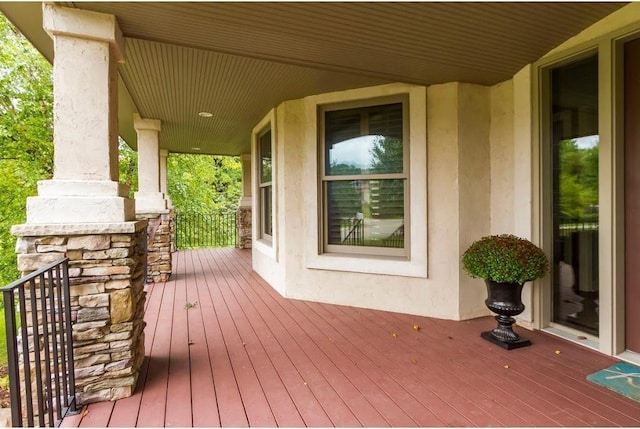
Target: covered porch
224	349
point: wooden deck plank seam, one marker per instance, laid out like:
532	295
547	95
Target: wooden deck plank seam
214	262
532	365
274	361
373	381
316	370
513	355
211	332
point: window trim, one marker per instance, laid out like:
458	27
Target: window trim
608	45
416	265
324	178
267	245
264	186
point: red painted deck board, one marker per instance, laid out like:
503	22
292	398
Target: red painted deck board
224	349
204	403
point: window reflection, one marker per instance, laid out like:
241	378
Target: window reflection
366	155
575	195
366	213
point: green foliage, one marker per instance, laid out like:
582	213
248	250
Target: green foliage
128	166
196	183
3	341
26	128
578	180
204	183
505	258
387	154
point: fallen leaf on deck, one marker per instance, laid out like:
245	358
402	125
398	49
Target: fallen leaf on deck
414	361
416	327
582	337
451	338
558	352
394	335
85	411
506	367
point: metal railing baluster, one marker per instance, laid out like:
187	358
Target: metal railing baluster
197	230
42	369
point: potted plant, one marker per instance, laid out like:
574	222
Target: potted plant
506	263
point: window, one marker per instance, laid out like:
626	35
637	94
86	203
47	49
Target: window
265	187
364	178
575	197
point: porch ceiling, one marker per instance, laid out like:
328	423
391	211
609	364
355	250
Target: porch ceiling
238	60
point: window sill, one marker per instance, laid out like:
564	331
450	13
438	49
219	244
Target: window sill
369	264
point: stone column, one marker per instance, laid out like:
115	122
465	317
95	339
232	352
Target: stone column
150	201
83	213
243	215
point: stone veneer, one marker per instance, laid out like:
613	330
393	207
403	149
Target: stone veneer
243	224
106	273
160	233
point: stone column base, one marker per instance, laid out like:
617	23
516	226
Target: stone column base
106	272
243	224
159	240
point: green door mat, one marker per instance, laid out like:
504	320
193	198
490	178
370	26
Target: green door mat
622	377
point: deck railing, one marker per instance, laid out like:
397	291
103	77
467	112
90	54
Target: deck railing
37	312
567	226
199	230
396	239
354	228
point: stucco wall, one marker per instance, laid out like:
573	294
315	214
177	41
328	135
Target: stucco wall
480	176
502	158
450	207
474	176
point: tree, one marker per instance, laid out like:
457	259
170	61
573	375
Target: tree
26	130
204	183
127	166
578	197
196	182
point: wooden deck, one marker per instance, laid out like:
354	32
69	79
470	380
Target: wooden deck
224	349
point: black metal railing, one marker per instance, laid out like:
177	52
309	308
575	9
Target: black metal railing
37	311
568	226
355	234
198	230
396	239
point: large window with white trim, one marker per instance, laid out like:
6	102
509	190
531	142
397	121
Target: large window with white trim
364	177
265	185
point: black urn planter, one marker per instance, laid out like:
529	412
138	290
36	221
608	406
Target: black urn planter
504	299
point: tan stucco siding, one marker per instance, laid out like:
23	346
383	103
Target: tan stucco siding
450	199
502	158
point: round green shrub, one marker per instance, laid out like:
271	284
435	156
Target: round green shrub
505	258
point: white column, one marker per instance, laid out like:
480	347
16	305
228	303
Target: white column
164	154
149	198
245	200
84	188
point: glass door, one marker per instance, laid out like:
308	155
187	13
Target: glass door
574	110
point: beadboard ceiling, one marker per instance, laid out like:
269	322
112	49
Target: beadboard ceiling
238	60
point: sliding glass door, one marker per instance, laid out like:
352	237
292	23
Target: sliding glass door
574	158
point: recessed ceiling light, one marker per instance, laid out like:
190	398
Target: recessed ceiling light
195	148
205	114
